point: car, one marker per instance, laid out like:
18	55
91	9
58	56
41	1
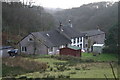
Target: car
12	52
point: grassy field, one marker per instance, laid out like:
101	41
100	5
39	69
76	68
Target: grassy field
88	66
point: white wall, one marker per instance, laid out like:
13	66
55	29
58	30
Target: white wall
77	42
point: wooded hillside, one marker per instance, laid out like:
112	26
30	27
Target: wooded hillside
19	20
90	16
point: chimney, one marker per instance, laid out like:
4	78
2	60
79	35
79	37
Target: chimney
70	24
98	28
60	27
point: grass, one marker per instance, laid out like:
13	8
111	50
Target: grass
51	61
94	72
12	71
95	69
101	57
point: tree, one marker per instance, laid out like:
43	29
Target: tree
111	41
20	20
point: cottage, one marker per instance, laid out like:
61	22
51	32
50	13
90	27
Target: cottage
47	42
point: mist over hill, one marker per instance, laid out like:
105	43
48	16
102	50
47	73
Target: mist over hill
90	16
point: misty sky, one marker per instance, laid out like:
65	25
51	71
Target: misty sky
65	3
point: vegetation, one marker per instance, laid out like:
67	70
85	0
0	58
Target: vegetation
111	41
61	66
90	16
19	20
22	65
102	57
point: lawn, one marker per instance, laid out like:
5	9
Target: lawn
101	57
69	67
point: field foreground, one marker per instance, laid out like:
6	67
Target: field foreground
46	66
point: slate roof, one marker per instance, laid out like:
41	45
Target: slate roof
52	38
55	37
70	31
93	32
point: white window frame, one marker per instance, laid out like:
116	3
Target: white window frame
51	49
23	49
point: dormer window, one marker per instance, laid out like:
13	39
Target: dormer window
30	39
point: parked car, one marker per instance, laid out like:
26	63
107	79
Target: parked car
13	52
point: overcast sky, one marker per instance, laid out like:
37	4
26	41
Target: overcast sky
65	3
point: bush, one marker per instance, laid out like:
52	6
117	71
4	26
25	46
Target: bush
77	68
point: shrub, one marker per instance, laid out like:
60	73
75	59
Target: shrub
77	68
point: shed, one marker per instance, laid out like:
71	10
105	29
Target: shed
97	48
71	50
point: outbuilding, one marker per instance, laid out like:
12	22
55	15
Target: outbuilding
97	48
71	50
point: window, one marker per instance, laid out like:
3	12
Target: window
74	41
86	45
23	49
80	40
30	39
81	45
51	49
77	40
86	37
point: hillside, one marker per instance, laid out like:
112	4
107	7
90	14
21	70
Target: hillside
18	20
90	16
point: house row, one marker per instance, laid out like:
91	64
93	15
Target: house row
50	42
